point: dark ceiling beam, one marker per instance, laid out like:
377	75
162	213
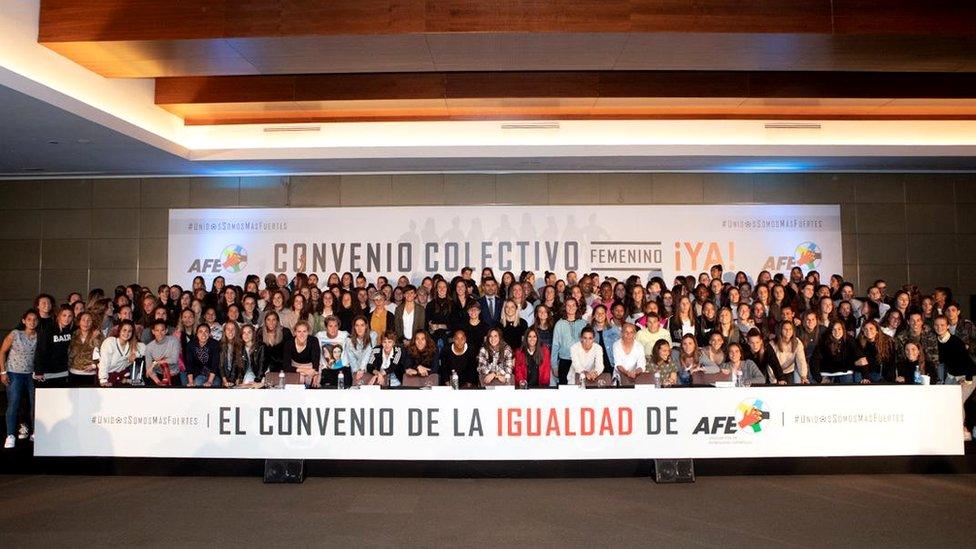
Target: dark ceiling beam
119	20
467	85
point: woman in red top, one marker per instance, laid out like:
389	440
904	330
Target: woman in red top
532	362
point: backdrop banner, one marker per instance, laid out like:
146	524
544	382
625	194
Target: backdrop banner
500	424
417	241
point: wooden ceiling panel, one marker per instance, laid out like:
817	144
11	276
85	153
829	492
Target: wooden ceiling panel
520	51
723	16
336	54
567	95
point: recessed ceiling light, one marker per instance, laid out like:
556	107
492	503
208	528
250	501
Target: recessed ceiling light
530	125
792	126
273	129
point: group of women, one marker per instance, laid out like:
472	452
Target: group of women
344	331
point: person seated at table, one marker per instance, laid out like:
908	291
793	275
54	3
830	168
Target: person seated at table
688	359
474	326
302	354
879	351
762	354
663	363
163	356
713	356
837	356
586	357
790	353
462	358
273	336
912	360
532	362
252	358
202	359
495	359
231	355
423	355
358	349
628	354
743	369
118	353
388	362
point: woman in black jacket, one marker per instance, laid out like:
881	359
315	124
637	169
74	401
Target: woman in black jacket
837	356
388	362
302	354
439	313
203	360
274	337
252	359
878	351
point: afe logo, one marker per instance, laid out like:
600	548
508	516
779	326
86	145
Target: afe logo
694	256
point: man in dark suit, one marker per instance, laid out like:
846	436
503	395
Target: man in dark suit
491	303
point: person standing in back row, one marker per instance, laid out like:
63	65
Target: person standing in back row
51	356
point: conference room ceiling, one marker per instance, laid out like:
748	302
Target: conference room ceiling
39	140
288	61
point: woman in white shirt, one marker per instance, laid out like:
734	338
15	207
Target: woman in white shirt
789	351
586	357
117	354
628	354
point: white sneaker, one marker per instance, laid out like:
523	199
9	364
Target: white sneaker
32	437
22	432
9	442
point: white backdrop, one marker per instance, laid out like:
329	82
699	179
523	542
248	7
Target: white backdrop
416	241
440	424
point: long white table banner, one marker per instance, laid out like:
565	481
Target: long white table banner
500	424
417	241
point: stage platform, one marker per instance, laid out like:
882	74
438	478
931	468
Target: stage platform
728	512
22	461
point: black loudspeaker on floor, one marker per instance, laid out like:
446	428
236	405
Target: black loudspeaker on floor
668	471
284	471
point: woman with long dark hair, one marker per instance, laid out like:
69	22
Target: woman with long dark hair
495	359
532	362
565	334
837	356
231	355
423	355
879	353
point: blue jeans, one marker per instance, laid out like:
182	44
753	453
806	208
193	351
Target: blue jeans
201	381
843	380
876	377
19	384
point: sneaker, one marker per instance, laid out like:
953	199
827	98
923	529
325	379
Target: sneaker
32	437
22	432
9	442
